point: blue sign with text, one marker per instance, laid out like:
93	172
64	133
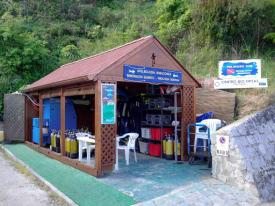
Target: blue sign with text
152	75
239	69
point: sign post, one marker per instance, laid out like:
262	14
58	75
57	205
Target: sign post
249	68
222	145
240	74
108	105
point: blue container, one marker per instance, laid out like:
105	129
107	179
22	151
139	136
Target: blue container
35	122
51	111
36	136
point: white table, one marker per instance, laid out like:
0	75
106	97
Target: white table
85	142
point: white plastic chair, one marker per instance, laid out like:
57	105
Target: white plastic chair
84	145
212	126
130	145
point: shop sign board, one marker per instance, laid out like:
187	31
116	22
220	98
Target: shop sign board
108	103
152	75
249	68
240	83
222	145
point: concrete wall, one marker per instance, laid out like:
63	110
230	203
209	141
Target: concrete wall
251	161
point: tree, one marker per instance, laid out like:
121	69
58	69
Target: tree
23	57
70	53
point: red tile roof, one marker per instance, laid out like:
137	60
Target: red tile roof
87	67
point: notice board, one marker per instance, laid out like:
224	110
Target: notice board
108	103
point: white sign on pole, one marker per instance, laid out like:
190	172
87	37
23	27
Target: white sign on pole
233	69
240	83
222	145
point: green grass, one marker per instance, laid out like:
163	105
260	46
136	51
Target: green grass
82	188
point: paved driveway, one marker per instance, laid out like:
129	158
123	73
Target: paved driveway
17	188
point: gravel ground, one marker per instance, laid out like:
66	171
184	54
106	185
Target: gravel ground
19	187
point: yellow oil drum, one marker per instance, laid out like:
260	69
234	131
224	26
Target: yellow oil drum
178	150
163	147
169	152
53	141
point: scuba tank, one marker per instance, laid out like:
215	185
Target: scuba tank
57	142
53	140
67	144
73	146
178	150
169	148
164	145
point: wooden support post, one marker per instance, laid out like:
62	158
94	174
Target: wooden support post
62	122
40	121
98	148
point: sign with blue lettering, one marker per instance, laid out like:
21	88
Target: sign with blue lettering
151	75
250	68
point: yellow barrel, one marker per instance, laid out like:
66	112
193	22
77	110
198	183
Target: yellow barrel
169	152
178	150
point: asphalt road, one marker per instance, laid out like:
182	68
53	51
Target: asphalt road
18	187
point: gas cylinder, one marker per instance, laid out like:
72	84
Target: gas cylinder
67	146
178	150
74	148
53	141
169	153
164	147
57	142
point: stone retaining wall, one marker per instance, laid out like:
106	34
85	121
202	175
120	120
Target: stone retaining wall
251	161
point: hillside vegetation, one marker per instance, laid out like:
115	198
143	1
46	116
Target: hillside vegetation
37	36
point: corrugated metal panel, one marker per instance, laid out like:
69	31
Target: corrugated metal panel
14	117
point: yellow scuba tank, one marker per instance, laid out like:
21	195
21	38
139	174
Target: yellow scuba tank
164	147
169	149
164	140
178	150
74	148
67	146
53	141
